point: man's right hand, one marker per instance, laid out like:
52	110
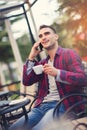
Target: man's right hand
34	51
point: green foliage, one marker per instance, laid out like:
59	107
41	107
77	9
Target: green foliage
65	37
16	19
6	54
24	46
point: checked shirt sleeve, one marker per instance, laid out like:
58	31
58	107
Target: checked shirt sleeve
74	72
58	78
30	64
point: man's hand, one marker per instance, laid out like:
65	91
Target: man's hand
34	51
50	70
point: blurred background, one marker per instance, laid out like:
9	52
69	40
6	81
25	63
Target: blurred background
19	23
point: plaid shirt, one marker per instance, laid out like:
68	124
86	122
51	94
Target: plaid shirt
71	71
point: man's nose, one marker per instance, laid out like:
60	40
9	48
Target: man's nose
43	36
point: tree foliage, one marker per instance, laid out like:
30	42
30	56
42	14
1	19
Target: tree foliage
75	11
6	54
72	24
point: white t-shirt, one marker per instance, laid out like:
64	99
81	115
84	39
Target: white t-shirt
53	92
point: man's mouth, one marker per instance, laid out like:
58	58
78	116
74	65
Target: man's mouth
45	42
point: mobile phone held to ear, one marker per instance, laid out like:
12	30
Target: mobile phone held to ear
40	46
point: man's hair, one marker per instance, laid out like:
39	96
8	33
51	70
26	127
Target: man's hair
47	26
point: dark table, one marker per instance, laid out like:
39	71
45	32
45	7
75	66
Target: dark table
4	95
8	106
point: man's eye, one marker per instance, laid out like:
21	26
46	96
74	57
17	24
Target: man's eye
46	33
40	35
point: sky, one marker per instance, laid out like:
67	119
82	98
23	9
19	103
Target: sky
43	13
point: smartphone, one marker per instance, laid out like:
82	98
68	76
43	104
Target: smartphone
40	46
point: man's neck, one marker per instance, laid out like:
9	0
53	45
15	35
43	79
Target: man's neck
52	52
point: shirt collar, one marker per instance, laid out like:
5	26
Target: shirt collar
58	52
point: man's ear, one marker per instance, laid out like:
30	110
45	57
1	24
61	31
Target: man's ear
56	36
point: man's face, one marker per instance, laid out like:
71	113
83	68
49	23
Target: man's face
48	38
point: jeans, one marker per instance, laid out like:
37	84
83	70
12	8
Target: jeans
35	115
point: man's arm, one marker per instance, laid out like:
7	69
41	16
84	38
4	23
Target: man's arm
75	73
29	76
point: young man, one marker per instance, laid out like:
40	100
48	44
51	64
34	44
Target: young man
62	74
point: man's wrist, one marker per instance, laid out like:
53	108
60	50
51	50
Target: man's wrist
32	60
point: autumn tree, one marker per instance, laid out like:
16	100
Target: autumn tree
72	24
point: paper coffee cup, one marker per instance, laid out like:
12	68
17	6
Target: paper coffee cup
38	69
